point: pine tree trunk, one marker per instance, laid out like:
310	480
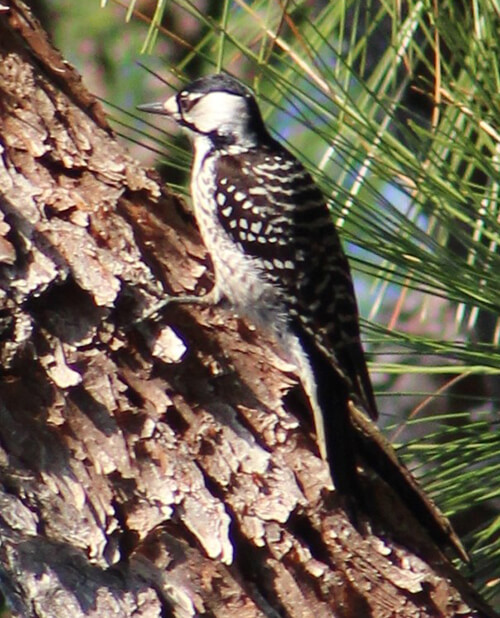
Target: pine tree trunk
156	468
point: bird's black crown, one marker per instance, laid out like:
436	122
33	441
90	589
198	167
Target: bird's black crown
220	82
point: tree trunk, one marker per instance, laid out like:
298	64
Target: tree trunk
156	468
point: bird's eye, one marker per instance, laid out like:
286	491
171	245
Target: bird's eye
188	99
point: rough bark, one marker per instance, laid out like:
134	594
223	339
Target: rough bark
163	468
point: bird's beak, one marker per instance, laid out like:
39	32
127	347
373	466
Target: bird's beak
169	107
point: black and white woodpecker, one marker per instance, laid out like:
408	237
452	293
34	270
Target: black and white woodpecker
278	261
276	255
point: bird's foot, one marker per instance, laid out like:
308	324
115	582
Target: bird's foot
213	298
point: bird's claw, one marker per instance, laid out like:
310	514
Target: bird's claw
153	313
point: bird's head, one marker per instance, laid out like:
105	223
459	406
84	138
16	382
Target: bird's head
217	107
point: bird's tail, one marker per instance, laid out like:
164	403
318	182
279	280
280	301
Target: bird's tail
344	432
381	457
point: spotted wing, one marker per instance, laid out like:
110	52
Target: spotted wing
271	206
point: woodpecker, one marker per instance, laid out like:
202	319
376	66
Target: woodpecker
279	262
276	255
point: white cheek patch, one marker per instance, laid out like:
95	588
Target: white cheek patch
217	111
172	108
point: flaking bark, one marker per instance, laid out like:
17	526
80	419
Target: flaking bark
158	468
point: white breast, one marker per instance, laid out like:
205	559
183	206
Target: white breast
237	275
